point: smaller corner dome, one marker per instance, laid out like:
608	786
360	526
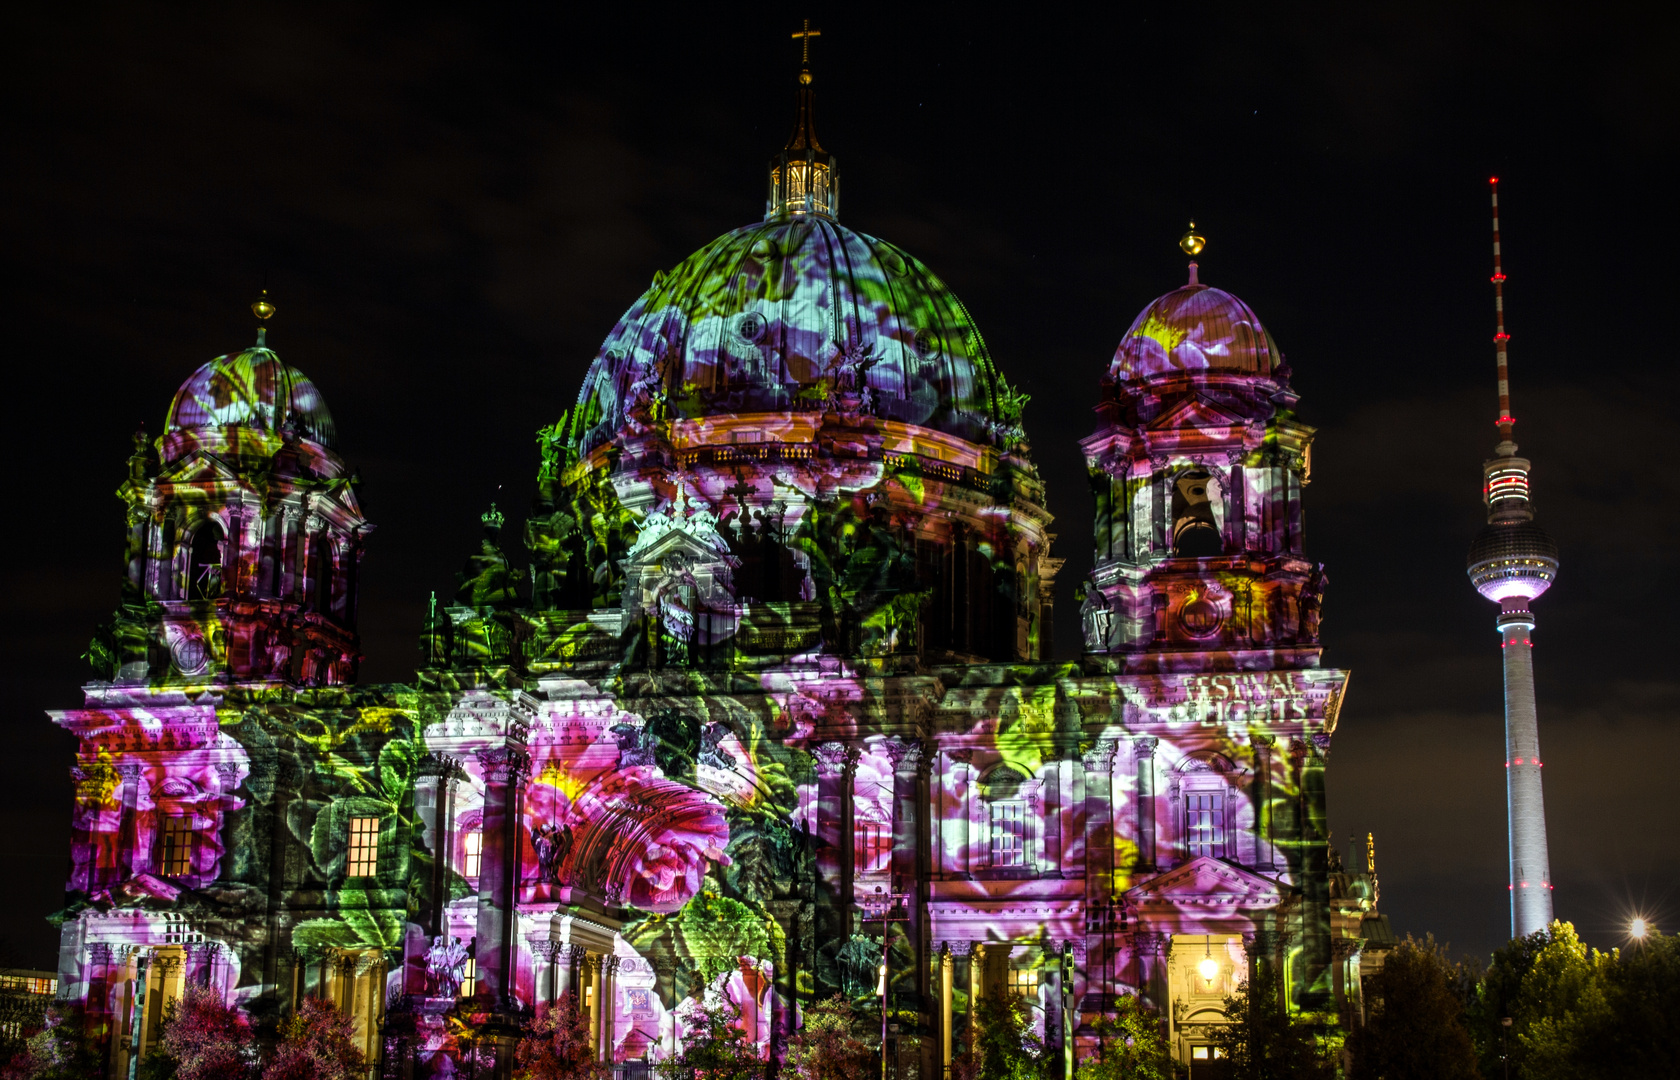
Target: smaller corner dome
1191	329
254	390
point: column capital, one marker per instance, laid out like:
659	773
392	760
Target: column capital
505	765
833	758
1100	755
1144	745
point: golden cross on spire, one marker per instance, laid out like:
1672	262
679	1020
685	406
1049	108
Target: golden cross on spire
805	37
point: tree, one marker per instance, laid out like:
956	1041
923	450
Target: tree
1130	1045
1416	1028
316	1043
715	1047
1495	998
1262	1041
1000	1044
557	1045
208	1038
1612	1014
56	1052
834	1043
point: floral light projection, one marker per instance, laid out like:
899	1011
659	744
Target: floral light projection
765	711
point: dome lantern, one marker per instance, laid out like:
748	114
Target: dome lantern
804	178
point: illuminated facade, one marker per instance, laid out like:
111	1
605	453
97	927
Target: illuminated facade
772	687
1511	562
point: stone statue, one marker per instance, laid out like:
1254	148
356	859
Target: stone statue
446	962
551	843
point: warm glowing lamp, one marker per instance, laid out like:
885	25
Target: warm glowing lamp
1208	967
881	987
262	309
1637	928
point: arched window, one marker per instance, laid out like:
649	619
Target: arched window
1208	789
1007	827
1195	529
204	567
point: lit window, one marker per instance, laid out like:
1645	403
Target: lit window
1200	1053
1024	982
871	847
364	847
473	849
175	859
1009	833
469	978
1204	825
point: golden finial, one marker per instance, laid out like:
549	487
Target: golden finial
262	309
1191	243
804	38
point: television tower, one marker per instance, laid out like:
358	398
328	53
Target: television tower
1512	561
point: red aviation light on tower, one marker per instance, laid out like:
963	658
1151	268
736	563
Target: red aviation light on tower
1500	337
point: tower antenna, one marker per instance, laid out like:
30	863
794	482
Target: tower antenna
1500	337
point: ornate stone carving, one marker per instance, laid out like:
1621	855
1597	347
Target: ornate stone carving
834	758
1100	756
505	765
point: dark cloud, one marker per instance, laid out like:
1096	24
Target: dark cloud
453	209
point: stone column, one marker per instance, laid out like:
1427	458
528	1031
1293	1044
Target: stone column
833	853
505	771
130	860
1143	748
98	1019
1150	950
1342	950
1263	845
1099	867
945	972
910	784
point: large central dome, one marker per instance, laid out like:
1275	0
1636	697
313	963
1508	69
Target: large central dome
771	318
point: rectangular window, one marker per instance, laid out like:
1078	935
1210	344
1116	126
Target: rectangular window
175	857
1204	824
871	847
472	848
364	847
1009	833
1024	982
469	978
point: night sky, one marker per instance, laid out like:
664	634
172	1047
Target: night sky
452	211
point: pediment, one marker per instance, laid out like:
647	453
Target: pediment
1206	881
199	468
1195	413
676	541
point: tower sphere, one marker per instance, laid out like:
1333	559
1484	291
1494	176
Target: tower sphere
1512	559
243	395
1194	329
767	318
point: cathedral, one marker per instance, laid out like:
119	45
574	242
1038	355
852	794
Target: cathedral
758	707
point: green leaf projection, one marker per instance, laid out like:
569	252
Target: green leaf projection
765	703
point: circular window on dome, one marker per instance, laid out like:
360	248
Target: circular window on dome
1200	617
926	342
750	327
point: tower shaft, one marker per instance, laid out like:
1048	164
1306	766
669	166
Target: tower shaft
1531	872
